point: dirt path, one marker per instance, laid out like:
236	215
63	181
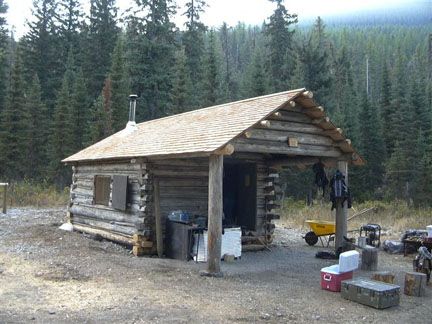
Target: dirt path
52	276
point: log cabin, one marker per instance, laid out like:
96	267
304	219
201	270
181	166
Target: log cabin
221	162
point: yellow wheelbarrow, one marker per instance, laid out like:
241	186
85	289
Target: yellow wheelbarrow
320	229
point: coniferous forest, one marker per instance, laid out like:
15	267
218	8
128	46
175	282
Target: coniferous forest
65	83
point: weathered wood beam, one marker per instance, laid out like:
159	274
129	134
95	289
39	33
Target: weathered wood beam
226	150
281	148
105	234
282	136
341	212
158	218
215	210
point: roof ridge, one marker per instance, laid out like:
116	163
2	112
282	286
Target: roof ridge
224	104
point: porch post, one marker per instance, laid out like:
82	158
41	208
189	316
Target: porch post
341	211
215	210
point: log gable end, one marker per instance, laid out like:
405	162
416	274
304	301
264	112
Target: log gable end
294	130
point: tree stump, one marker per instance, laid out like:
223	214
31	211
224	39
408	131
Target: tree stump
384	276
415	283
369	259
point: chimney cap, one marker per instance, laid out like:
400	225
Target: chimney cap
133	96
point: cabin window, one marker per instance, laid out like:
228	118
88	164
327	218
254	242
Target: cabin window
102	190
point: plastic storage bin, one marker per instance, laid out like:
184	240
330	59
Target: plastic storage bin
349	261
331	277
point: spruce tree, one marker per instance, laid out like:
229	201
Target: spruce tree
38	132
70	24
3	54
79	111
100	124
41	45
279	45
120	87
61	136
387	113
316	64
193	42
372	147
152	69
211	73
15	127
182	88
101	34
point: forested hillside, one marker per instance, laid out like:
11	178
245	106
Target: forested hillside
65	84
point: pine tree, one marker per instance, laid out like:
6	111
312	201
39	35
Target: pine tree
120	87
38	132
279	45
14	127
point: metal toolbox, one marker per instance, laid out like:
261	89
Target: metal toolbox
371	293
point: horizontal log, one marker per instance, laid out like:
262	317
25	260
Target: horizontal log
104	213
180	162
294	127
105	234
282	136
113	228
182	173
280	148
109	167
291	116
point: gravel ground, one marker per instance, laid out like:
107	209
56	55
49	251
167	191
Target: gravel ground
51	276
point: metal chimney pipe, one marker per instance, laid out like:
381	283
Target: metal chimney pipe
132	110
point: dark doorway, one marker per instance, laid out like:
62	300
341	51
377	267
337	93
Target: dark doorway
240	195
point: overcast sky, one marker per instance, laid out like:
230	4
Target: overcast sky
231	11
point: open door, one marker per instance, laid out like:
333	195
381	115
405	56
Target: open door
240	195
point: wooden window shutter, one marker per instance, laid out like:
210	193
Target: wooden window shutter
102	189
119	195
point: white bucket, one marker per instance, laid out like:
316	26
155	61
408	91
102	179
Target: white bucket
429	230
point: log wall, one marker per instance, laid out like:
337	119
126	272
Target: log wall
314	136
183	185
105	220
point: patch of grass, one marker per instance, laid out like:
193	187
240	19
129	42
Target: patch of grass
27	193
394	217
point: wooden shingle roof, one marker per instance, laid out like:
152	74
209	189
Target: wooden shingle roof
200	131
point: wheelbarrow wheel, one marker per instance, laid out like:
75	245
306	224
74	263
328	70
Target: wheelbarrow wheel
311	238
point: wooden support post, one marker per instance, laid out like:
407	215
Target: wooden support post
415	284
215	209
341	213
5	187
158	219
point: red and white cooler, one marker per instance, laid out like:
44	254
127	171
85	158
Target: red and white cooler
332	276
